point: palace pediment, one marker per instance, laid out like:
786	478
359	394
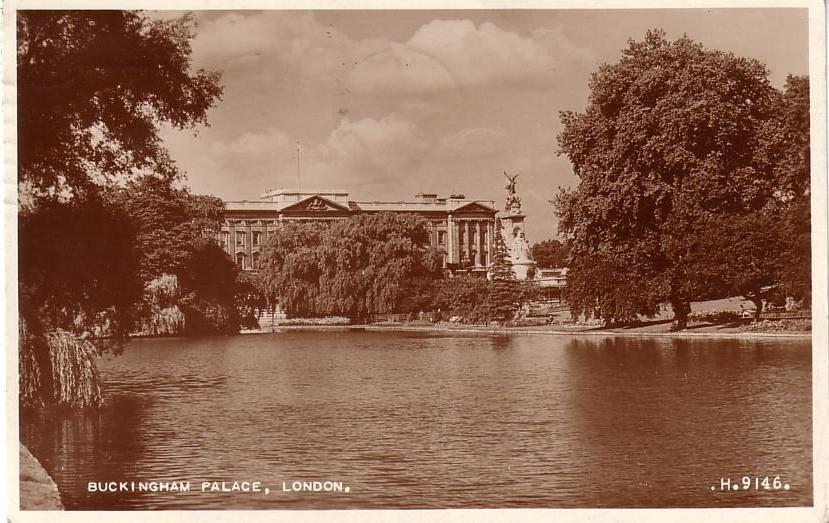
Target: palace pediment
474	207
315	204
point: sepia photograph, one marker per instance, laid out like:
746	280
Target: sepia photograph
315	259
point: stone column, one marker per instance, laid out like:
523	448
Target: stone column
478	244
231	239
249	243
490	242
450	243
466	239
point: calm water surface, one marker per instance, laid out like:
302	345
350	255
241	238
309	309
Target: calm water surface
419	420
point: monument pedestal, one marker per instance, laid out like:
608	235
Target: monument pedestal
519	248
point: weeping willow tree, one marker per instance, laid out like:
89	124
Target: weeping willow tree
358	267
160	314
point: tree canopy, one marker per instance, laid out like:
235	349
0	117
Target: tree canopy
550	253
355	268
171	223
93	87
176	234
676	139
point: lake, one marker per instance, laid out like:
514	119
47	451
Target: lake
419	420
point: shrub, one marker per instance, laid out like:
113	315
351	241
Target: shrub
778	326
718	316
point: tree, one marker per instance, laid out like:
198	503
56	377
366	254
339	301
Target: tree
171	223
357	267
176	234
504	292
291	267
464	296
550	253
93	88
790	145
78	281
670	142
77	268
741	256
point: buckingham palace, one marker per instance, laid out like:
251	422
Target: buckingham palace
461	228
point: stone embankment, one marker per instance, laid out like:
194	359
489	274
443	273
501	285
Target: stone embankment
37	490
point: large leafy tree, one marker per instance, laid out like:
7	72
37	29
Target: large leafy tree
365	265
93	90
171	223
93	87
176	233
669	143
291	266
790	139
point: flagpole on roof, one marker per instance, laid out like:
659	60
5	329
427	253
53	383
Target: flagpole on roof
298	168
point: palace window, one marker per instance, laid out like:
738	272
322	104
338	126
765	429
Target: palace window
256	237
241	260
241	239
254	258
225	239
441	237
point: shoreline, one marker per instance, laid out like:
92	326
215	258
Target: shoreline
481	329
38	490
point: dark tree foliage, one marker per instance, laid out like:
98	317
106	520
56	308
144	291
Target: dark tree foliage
550	253
92	89
464	296
172	224
603	287
795	260
357	267
792	155
176	233
77	268
788	139
504	292
672	140
211	283
291	267
419	294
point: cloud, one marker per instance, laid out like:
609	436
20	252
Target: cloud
373	151
294	38
457	54
397	68
476	140
262	143
441	55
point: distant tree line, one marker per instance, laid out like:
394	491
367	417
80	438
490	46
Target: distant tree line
551	253
694	183
374	264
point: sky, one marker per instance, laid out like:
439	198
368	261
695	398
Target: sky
387	104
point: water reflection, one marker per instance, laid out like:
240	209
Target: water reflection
417	420
665	419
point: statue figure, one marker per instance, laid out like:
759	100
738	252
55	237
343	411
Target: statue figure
520	248
513	203
511	182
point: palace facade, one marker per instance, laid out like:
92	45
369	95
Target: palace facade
462	229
